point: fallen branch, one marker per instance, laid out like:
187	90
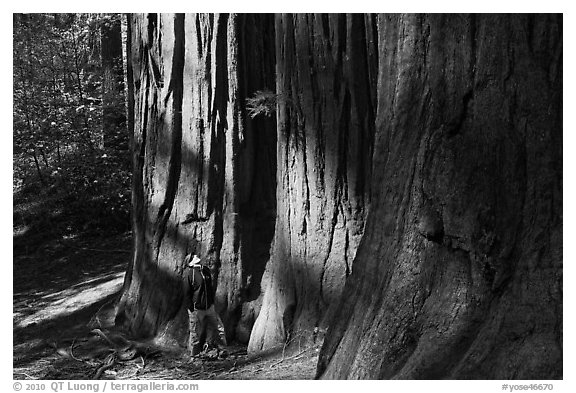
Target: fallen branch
96	315
291	357
105	337
108	362
72	351
26	375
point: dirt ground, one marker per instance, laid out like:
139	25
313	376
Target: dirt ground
64	292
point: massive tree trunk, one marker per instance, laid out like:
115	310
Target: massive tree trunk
456	272
325	80
202	171
459	272
114	117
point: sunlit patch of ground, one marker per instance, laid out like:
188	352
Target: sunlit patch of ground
59	285
65	302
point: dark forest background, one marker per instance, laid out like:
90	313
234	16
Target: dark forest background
70	137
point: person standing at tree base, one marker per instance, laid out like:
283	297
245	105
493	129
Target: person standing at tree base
204	322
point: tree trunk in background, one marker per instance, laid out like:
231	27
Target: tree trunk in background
254	218
114	118
459	272
201	170
326	79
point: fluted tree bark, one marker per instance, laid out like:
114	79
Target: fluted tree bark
459	271
195	174
407	198
325	81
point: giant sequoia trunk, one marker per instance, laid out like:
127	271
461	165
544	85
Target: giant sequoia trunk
325	80
201	170
459	271
455	272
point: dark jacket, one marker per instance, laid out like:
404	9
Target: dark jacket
198	287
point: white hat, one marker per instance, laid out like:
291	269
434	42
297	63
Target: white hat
195	260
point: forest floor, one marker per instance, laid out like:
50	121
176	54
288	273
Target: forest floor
65	288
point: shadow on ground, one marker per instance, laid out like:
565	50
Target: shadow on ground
60	282
65	287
